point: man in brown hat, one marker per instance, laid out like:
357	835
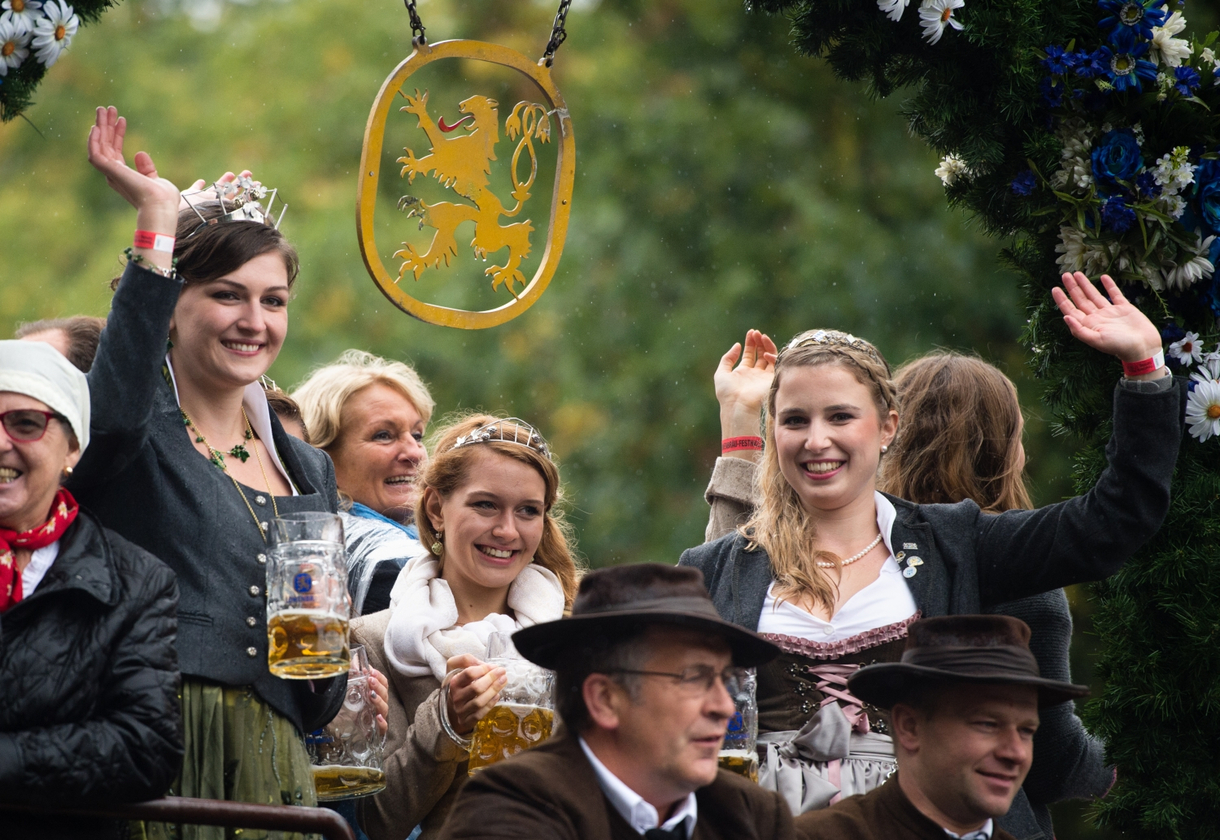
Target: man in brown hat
644	670
963	706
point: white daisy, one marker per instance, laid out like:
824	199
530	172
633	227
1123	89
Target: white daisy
893	8
1079	253
951	168
1209	371
1187	350
14	46
1211	364
21	13
53	33
1195	267
1167	49
935	15
1203	410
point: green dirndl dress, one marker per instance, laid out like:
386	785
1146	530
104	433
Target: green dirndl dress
238	749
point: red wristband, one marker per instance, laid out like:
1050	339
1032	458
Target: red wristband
1146	366
154	241
739	444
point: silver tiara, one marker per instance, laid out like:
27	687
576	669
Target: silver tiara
834	338
508	430
241	200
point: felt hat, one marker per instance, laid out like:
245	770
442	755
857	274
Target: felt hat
982	649
36	369
623	600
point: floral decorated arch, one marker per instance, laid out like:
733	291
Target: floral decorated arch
1087	134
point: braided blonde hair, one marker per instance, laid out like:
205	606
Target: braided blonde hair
780	524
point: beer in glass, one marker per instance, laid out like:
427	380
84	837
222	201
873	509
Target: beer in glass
738	753
346	755
307	600
523	716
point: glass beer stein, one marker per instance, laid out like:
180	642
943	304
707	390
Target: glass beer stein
307	601
346	755
523	716
739	753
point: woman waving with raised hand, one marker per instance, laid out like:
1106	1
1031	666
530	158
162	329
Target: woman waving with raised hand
189	463
834	571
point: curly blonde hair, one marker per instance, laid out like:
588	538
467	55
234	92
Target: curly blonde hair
780	524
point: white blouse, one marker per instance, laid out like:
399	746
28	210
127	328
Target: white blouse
41	560
885	601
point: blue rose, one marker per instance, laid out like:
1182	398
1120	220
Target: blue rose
1117	157
1207	190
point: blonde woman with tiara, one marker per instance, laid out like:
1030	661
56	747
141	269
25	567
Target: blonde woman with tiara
834	571
499	558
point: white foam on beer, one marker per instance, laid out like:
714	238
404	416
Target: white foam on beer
527	683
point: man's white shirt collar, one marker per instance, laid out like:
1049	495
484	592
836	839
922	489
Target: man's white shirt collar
983	833
639	814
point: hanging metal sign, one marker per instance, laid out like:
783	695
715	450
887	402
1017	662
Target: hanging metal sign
460	162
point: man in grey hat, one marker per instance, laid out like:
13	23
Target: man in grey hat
644	670
963	706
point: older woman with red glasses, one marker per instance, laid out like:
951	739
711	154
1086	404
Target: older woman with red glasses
88	672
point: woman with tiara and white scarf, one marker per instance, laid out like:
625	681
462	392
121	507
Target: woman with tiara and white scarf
499	558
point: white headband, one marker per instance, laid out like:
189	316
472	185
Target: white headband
36	369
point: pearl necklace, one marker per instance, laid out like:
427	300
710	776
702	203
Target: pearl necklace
826	564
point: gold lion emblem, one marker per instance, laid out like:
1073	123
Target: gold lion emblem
462	163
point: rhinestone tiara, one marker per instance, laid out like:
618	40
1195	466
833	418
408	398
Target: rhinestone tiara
834	338
508	430
241	200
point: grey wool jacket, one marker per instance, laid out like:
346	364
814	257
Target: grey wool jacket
143	478
977	562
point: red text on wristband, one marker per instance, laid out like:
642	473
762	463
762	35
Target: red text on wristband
743	443
154	241
1146	366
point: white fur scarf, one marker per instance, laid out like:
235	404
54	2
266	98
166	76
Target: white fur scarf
423	632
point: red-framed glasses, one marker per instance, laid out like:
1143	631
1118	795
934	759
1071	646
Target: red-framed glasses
26	425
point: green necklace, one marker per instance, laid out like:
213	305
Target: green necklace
216	456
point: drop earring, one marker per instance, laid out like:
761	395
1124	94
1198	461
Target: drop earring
438	547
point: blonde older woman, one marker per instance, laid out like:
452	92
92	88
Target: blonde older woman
369	414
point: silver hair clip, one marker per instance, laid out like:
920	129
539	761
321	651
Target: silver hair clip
520	433
835	338
242	202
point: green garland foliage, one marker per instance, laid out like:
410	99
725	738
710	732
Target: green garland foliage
18	85
981	94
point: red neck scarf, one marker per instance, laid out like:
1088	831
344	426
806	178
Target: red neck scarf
63	513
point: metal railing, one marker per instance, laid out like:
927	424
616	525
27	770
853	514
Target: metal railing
181	809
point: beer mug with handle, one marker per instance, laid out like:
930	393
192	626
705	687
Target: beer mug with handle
524	714
307	601
346	755
739	751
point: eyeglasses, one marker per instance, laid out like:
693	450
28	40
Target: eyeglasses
27	424
698	679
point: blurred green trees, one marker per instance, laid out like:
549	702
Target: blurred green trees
722	183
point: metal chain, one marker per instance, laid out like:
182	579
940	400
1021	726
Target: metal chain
558	33
417	25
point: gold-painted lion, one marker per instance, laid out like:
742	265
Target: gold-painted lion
462	163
